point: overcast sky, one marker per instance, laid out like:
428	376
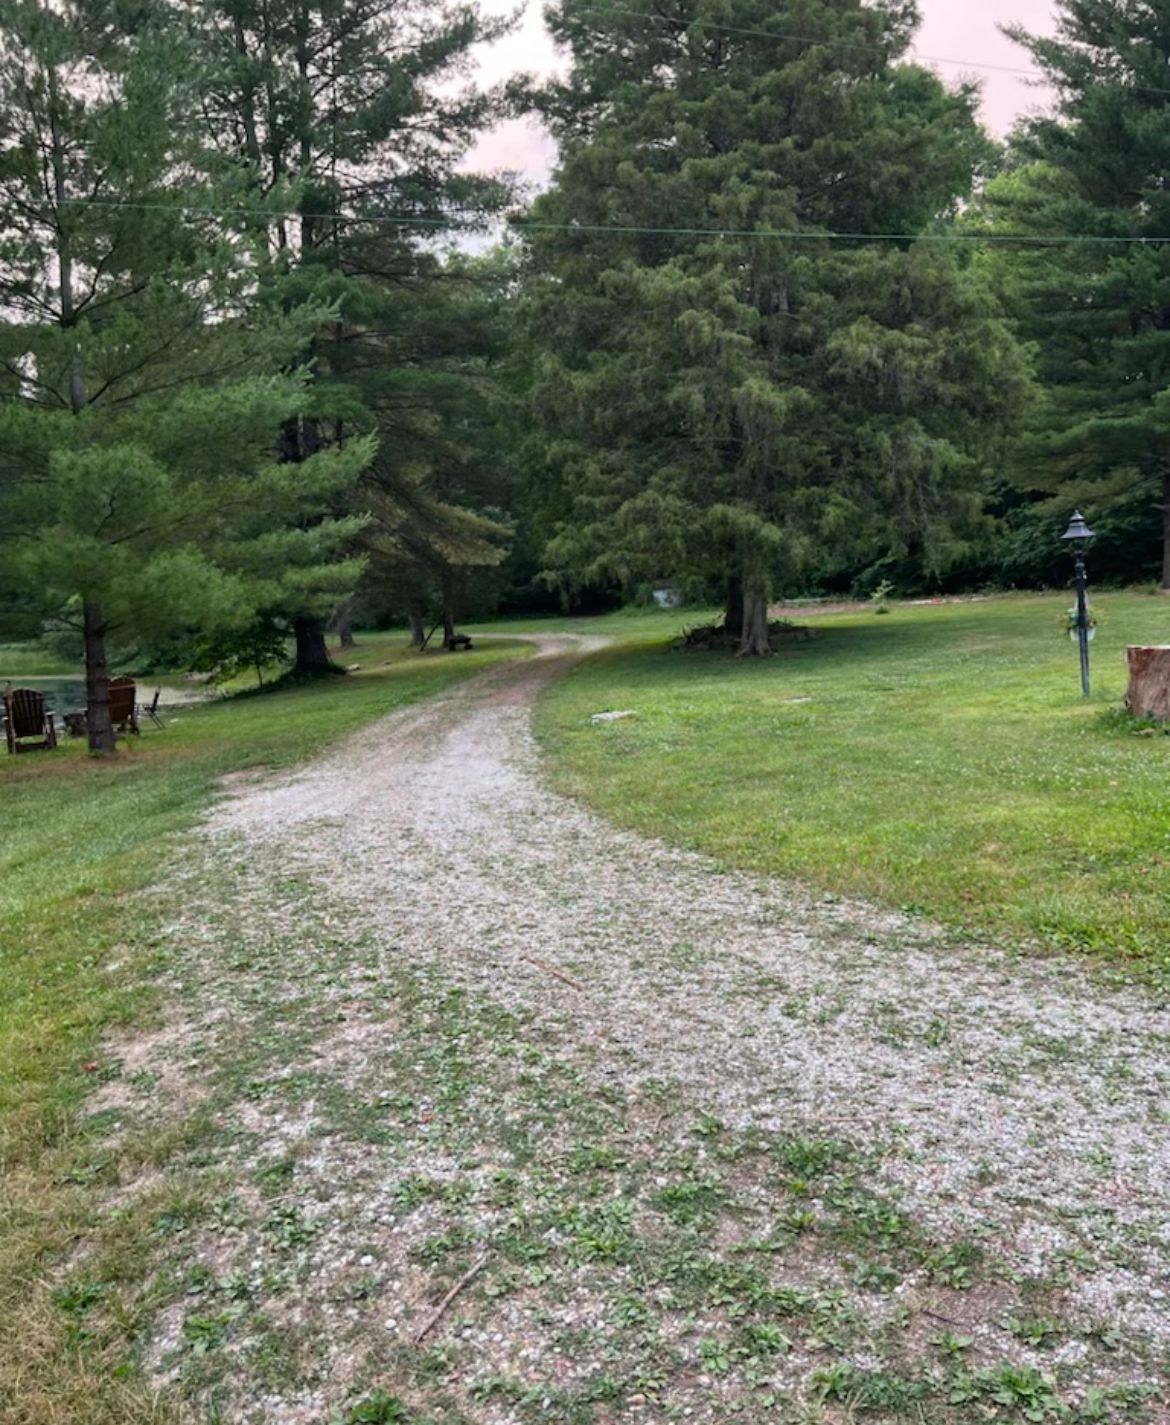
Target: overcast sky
954	30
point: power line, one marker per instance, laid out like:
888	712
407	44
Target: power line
608	12
449	218
453	217
795	235
849	46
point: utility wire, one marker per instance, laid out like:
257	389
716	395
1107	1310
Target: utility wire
849	46
795	235
455	216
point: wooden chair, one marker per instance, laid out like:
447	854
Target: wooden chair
28	725
123	705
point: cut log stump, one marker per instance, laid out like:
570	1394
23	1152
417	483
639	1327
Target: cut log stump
1149	682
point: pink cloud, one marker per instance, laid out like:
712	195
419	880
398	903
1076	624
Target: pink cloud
958	30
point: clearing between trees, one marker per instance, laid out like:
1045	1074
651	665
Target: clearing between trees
469	1107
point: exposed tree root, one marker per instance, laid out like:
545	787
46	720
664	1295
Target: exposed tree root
714	637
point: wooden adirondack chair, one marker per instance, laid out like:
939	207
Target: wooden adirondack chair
124	705
28	725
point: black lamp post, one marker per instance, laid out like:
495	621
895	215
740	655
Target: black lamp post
1078	534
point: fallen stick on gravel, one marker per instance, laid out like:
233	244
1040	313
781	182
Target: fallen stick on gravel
552	970
938	1316
441	1310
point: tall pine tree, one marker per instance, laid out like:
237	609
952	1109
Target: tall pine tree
1097	307
139	405
440	550
351	117
715	403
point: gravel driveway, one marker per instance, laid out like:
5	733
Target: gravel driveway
957	1159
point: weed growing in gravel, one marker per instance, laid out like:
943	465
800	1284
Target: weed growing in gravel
733	1239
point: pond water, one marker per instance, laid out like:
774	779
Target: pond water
61	694
68	694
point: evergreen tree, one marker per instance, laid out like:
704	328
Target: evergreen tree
1098	307
138	411
437	546
720	405
347	117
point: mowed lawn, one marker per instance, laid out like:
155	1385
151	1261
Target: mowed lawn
31	660
77	837
939	758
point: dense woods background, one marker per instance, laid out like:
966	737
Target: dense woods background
787	320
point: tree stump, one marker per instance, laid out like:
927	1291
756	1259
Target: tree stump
1149	682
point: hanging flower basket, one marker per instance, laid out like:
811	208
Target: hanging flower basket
1070	623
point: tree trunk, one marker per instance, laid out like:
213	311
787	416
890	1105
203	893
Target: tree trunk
1166	530
418	629
753	638
341	622
733	617
1149	683
97	684
99	728
753	592
448	611
312	654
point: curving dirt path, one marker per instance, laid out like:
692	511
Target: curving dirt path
1009	1115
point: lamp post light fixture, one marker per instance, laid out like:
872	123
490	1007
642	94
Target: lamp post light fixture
1078	535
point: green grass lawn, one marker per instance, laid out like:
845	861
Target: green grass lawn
32	660
622	625
940	758
78	836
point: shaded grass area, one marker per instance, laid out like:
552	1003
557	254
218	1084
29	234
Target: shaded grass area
940	759
78	838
